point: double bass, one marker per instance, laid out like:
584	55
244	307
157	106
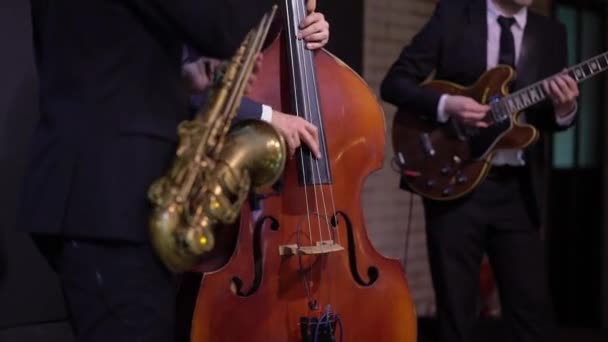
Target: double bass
303	268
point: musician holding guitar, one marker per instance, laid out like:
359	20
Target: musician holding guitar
463	151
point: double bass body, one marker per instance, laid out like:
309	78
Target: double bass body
303	268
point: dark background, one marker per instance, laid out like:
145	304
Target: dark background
29	291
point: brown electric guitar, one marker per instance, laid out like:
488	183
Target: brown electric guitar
445	161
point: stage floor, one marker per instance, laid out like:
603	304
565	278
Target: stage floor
60	332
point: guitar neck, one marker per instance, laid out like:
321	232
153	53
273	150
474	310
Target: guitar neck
535	93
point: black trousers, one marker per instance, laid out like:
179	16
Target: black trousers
115	291
495	219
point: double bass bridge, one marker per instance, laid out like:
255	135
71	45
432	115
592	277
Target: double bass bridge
321	247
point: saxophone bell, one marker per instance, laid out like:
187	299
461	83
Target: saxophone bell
178	247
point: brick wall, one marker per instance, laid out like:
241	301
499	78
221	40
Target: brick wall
388	26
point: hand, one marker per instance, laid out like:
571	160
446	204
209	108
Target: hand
563	91
295	130
199	74
311	5
314	29
466	110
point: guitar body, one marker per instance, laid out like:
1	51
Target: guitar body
445	161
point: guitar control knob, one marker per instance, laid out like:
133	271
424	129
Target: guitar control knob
430	183
446	192
462	179
445	170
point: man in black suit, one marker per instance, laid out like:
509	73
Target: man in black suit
462	40
111	97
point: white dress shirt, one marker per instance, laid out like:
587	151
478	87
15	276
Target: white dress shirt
510	156
266	113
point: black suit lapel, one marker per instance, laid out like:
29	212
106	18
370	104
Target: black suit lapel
529	58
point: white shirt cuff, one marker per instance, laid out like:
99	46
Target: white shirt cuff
266	113
566	120
442	116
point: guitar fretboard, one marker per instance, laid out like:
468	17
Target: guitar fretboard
535	93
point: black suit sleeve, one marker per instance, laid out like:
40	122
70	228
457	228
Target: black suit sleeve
542	115
215	28
249	109
401	85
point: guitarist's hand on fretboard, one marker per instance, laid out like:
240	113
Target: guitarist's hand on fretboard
466	110
563	92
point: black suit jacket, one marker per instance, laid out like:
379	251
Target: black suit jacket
111	97
453	43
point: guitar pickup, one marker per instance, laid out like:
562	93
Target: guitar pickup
427	145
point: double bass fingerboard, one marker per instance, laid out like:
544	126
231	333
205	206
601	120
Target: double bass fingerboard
305	95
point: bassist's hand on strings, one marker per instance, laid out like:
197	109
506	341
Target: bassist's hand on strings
466	110
314	29
296	130
563	92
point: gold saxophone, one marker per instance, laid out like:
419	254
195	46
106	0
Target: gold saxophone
215	165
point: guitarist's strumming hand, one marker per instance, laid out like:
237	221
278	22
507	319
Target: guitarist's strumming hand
466	110
563	91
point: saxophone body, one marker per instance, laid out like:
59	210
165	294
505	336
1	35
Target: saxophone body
215	167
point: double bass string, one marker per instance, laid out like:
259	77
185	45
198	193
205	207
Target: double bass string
311	95
295	13
292	26
305	57
295	18
292	29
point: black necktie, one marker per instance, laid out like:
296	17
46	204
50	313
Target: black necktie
507	43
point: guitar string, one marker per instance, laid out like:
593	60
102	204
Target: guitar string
570	71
